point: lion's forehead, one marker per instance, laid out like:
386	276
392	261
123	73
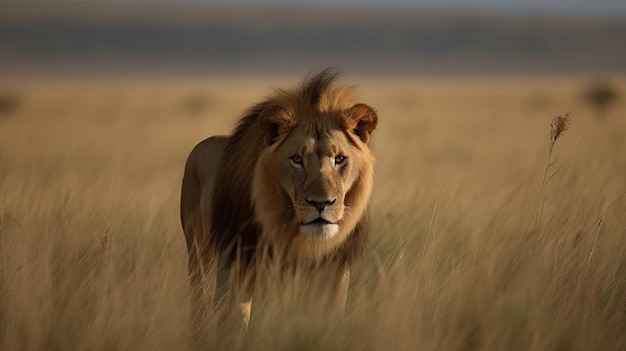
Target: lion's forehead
319	147
326	144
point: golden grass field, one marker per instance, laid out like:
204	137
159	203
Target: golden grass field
92	256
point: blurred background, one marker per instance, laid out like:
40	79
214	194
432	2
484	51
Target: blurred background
73	39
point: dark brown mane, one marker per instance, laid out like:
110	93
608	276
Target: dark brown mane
234	230
315	86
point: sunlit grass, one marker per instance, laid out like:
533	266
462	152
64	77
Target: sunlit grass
92	255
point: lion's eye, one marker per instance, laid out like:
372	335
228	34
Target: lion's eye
296	159
339	159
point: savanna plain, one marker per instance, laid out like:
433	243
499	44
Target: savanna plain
483	236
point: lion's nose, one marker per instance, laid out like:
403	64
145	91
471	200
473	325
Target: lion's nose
320	205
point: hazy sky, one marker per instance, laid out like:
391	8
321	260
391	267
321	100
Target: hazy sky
579	8
564	7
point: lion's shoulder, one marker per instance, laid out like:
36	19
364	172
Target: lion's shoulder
207	155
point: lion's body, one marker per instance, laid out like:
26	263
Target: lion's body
294	179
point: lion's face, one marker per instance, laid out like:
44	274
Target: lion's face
316	170
313	178
315	175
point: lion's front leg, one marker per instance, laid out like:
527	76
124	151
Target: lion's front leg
233	295
341	290
331	283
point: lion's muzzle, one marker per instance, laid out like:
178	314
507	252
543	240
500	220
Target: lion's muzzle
320	205
320	222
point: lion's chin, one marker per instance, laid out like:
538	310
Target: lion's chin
320	231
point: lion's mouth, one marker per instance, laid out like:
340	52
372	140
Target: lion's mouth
318	221
319	228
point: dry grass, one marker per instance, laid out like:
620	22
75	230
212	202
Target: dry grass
92	256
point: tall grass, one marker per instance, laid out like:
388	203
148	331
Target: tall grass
558	126
92	256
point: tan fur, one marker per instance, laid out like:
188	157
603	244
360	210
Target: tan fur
294	180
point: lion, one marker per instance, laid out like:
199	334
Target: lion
292	183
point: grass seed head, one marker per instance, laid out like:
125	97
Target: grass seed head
560	123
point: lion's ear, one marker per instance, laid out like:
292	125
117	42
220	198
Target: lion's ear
362	120
273	122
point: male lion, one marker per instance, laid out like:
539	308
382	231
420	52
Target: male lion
291	184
